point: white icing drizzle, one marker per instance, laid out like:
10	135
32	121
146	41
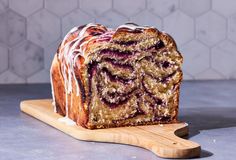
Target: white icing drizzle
52	90
131	26
67	121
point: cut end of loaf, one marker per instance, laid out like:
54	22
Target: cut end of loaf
105	78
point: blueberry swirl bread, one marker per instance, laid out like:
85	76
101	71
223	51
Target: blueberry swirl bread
105	78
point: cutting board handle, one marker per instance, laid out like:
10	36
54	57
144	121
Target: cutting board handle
169	145
163	141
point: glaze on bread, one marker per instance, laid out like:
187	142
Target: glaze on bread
105	78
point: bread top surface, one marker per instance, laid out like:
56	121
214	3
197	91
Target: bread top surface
81	41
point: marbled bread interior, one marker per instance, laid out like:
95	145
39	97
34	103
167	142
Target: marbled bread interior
109	78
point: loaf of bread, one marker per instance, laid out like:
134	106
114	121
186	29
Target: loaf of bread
128	76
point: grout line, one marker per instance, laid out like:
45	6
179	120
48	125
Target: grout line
146	4
43	3
227	27
112	4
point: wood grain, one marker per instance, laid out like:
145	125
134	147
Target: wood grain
162	140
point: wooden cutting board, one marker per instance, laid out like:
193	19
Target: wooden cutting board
162	140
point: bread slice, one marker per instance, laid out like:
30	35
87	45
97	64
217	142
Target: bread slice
105	78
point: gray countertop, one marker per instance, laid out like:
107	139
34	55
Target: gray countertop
208	106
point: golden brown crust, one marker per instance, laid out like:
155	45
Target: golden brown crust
58	86
76	110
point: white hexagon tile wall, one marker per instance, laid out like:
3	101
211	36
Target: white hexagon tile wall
30	31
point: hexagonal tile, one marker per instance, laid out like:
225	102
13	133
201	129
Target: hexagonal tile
111	19
26	59
49	53
12	28
226	7
10	78
196	57
3	58
232	27
210	28
129	7
42	76
95	9
161	7
75	18
43	28
223	58
147	18
209	74
187	76
195	8
25	7
60	7
180	26
3	5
